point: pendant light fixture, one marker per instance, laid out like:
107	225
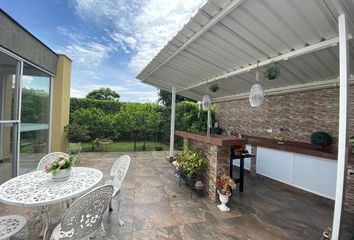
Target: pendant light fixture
256	93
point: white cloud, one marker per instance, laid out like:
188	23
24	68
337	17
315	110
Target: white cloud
141	27
90	54
138	28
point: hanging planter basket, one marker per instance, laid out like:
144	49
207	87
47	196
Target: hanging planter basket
272	73
214	88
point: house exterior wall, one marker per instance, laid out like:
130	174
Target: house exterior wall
300	113
19	41
61	104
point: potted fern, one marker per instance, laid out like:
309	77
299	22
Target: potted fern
214	88
272	73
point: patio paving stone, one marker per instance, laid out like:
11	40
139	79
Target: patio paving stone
154	206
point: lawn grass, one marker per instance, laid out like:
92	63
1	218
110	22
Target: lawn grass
126	146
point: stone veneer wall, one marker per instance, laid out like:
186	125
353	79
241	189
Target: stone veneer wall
218	161
300	113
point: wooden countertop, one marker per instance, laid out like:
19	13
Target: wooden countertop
218	140
289	146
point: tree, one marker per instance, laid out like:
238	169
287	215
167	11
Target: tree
165	97
103	94
140	121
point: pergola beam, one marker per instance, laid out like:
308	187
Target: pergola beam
286	56
225	11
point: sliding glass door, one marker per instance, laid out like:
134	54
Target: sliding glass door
10	70
35	116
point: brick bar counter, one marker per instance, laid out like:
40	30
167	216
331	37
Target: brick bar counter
217	150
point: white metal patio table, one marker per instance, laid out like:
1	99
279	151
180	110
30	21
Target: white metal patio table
37	189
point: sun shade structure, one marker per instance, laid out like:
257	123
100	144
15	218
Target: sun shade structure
227	41
224	41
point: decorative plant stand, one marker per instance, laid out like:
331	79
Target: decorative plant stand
193	183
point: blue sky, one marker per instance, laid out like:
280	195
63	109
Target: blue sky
109	41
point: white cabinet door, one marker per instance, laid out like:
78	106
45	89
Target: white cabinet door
275	164
317	175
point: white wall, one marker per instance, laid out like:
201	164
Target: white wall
313	174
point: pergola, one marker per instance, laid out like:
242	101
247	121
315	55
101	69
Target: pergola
228	40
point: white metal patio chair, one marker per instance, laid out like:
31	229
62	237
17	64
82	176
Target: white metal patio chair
13	226
49	158
83	219
118	172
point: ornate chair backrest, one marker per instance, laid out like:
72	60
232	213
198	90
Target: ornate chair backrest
119	170
49	158
84	217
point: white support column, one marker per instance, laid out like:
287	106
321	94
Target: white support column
173	119
343	125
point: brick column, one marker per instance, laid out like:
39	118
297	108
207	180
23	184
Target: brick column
219	161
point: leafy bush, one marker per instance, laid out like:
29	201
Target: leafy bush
77	133
321	139
192	162
98	123
107	106
132	121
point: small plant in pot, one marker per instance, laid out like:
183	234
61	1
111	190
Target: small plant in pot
272	73
224	185
321	140
214	88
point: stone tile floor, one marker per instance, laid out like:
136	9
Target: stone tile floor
155	207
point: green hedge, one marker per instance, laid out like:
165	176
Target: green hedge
135	121
107	106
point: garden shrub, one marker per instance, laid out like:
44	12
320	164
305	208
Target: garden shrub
107	106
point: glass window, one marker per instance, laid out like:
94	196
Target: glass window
35	113
8	113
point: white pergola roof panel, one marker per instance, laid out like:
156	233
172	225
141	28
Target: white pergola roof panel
225	36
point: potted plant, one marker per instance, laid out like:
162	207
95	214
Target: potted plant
351	140
321	140
272	73
214	88
281	137
189	165
224	185
61	168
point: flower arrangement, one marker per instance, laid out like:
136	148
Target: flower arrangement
63	162
225	184
281	138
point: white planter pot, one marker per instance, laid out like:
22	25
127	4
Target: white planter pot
61	175
224	199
